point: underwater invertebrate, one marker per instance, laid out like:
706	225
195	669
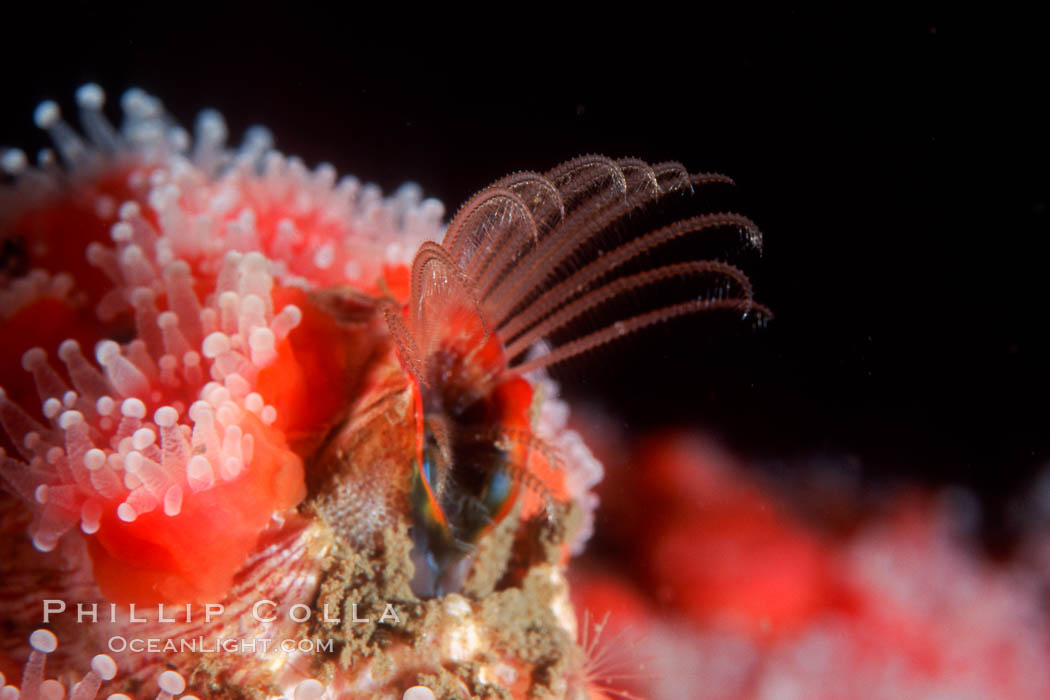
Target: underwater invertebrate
771	602
507	276
283	414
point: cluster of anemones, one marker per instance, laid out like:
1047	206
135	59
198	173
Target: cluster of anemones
170	684
168	276
202	255
34	686
727	591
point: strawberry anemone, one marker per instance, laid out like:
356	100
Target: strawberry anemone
175	285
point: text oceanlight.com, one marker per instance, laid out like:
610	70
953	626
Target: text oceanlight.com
201	645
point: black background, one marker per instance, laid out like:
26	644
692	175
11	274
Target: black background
896	163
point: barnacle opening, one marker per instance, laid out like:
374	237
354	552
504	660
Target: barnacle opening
534	271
